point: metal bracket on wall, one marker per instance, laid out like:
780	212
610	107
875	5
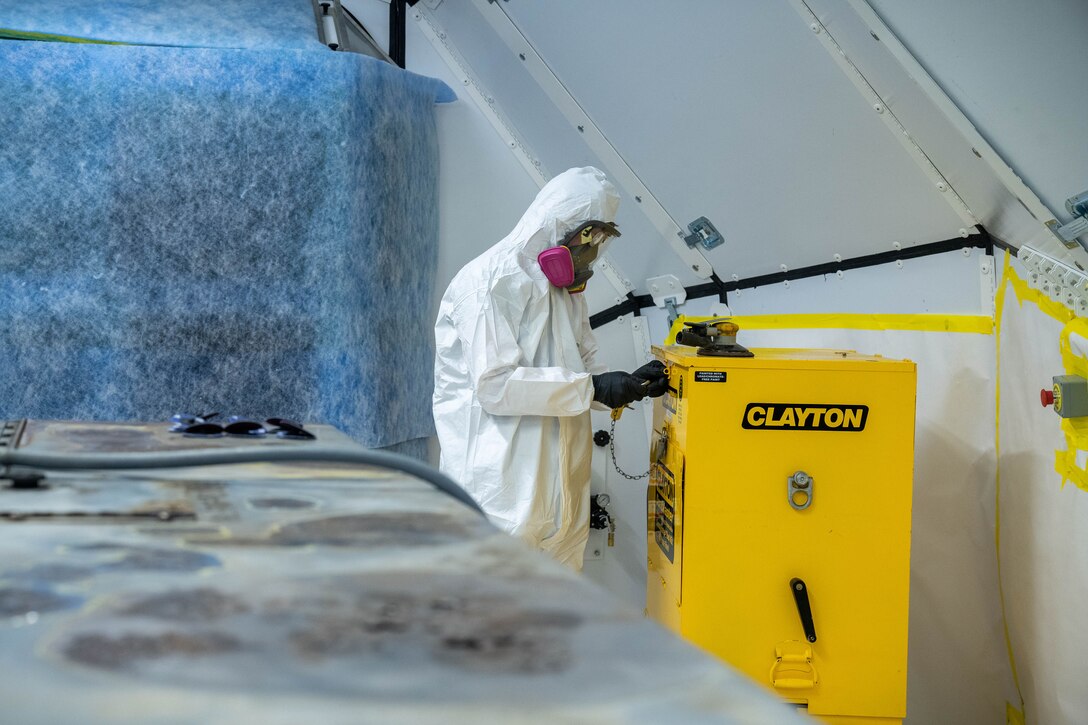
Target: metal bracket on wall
702	232
667	291
1068	233
330	22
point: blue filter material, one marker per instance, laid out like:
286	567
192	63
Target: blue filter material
196	23
249	232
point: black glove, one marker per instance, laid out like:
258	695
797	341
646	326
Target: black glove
617	389
654	373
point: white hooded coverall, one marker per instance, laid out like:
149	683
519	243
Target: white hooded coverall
514	355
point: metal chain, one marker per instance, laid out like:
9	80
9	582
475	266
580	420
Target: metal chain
612	448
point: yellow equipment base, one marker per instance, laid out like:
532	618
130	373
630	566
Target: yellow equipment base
733	525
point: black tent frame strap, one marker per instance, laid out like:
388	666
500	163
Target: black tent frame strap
716	287
398	13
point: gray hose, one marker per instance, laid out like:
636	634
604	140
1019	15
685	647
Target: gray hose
211	457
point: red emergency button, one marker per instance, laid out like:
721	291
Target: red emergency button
1046	397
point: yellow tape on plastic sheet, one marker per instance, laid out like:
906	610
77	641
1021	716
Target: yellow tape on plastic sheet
1008	278
977	324
1074	429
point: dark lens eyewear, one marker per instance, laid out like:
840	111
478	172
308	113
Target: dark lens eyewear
292	430
197	426
203	430
245	428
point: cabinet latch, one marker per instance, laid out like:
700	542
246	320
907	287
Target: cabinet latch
793	668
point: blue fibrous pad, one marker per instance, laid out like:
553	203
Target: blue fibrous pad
195	23
250	232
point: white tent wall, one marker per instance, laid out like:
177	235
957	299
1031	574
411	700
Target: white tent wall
959	665
1044	542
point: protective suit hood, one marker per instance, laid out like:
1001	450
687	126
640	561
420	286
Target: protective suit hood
571	198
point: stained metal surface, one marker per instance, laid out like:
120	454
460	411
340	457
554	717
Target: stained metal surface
310	591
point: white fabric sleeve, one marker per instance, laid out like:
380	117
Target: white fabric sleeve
506	387
587	344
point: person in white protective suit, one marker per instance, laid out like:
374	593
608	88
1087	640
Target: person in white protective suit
515	368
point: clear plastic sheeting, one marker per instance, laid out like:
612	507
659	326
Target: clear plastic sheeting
251	232
195	23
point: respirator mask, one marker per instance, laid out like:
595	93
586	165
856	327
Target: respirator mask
570	265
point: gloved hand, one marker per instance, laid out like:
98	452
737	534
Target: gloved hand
654	372
617	389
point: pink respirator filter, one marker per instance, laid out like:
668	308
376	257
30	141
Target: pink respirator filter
557	265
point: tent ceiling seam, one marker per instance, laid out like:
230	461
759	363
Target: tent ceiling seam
613	161
865	88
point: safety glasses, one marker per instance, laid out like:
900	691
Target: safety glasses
593	233
198	426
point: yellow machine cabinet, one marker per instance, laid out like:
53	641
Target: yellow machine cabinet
779	511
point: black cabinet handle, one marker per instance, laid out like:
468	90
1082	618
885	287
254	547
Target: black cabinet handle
800	596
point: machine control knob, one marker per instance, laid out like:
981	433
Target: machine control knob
1046	397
